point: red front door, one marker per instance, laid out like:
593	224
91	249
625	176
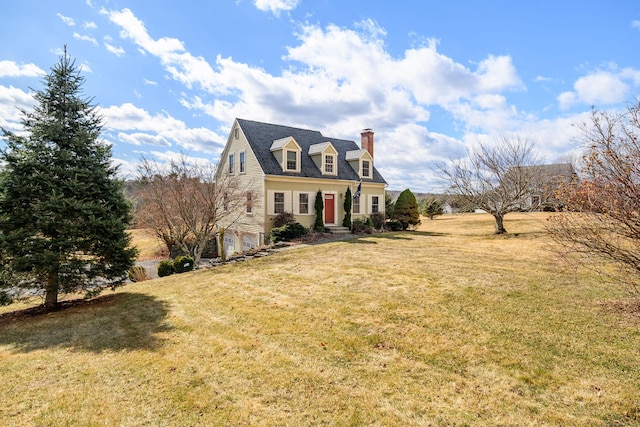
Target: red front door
329	207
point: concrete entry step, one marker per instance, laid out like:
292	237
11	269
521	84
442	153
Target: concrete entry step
335	229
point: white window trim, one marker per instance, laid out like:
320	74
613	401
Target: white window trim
242	165
249	203
335	164
231	159
296	202
370	203
362	168
361	204
271	201
285	153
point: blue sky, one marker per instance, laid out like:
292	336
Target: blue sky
431	78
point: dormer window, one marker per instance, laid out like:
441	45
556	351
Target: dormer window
366	169
287	153
329	161
325	157
292	160
361	162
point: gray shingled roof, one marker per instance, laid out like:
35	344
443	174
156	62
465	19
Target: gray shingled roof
261	135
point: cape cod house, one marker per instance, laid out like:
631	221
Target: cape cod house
546	183
280	169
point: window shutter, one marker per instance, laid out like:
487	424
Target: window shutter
312	203
270	207
288	207
296	203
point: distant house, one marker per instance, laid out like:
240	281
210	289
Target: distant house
281	168
544	185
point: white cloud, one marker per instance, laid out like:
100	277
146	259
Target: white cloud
85	68
89	25
600	87
567	100
276	6
134	29
341	80
12	100
345	75
68	21
129	119
126	169
12	69
86	38
635	24
150	82
139	138
543	79
118	51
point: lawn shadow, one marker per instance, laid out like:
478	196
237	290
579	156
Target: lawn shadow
392	235
122	321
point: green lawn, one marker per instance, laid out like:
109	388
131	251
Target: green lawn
446	326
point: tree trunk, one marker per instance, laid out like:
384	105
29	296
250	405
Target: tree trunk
51	291
499	224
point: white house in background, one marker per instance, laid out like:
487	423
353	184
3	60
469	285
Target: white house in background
281	169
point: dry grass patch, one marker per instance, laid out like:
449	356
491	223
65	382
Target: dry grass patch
448	325
148	245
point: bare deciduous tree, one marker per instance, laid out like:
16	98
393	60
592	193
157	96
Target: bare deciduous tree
182	203
601	219
497	179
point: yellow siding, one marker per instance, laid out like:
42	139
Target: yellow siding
292	186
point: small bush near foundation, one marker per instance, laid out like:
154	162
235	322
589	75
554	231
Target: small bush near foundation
362	225
183	264
165	268
377	220
288	232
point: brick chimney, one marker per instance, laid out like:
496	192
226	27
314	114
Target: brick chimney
366	140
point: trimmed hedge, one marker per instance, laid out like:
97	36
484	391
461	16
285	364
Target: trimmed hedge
165	268
287	232
183	264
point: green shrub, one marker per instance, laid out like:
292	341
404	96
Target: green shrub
183	264
362	225
287	232
5	298
377	220
165	268
406	210
137	273
318	225
394	225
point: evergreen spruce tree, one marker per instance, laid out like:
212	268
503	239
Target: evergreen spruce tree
431	207
406	209
63	213
348	200
318	225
